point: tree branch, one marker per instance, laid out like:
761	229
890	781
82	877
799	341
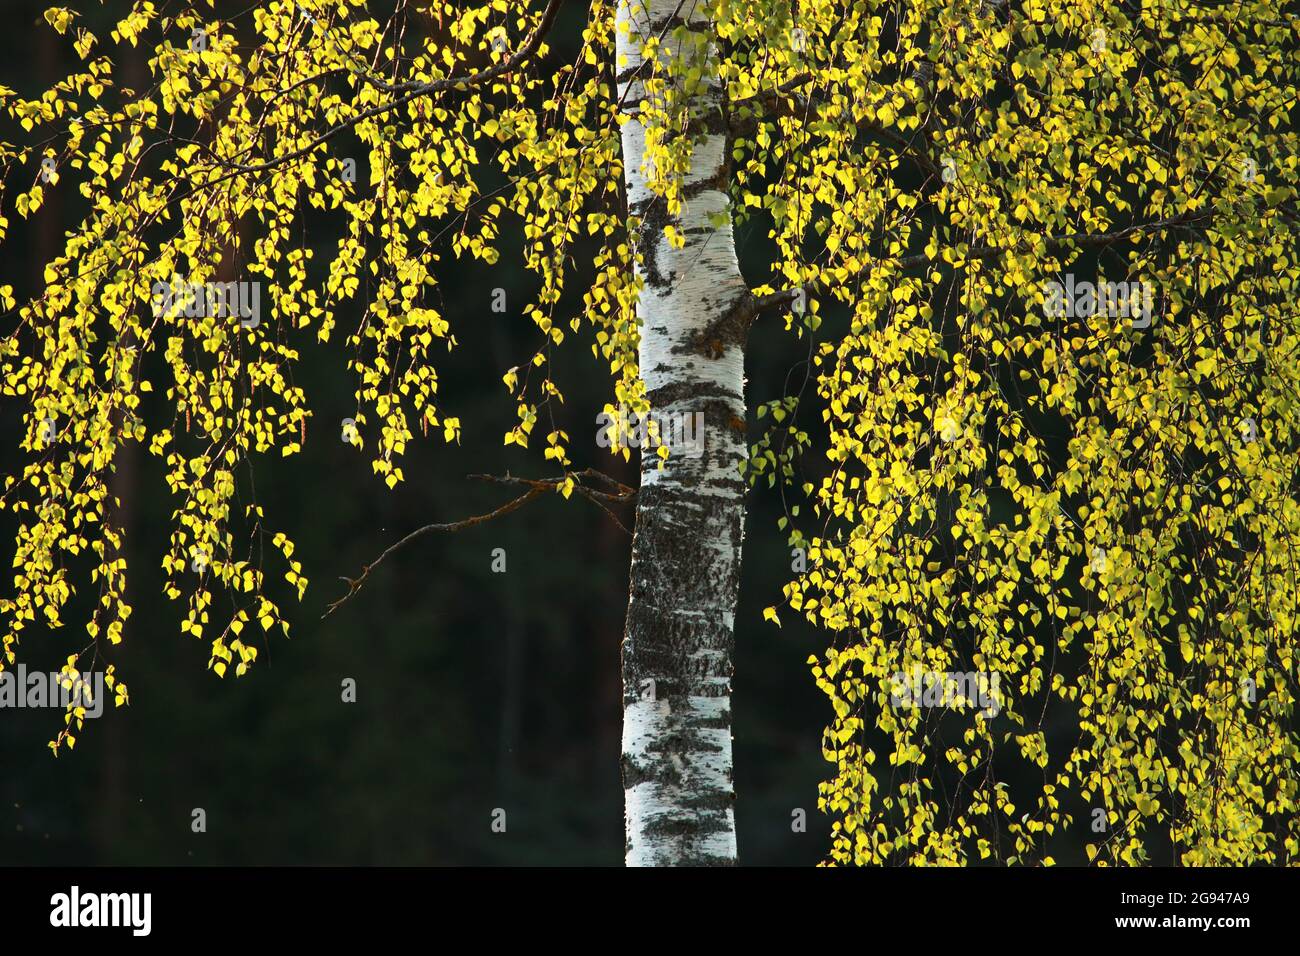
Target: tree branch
784	101
536	487
735	324
412	90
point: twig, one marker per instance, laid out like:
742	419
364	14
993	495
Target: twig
536	487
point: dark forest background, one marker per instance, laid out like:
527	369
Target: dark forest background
475	690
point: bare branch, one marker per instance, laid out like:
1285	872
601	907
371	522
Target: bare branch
355	584
536	487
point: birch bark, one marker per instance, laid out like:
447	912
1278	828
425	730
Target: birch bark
685	577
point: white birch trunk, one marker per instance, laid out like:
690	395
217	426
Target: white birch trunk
685	578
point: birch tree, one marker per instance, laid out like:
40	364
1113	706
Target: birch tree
677	652
1035	267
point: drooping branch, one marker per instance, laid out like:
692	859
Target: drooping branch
785	100
734	325
411	90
